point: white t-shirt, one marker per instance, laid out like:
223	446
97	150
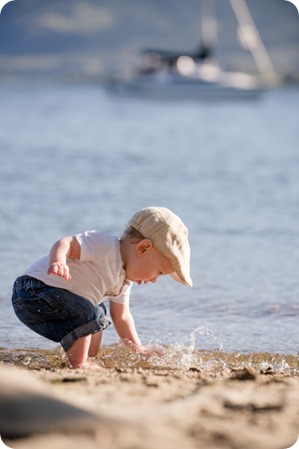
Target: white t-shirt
99	272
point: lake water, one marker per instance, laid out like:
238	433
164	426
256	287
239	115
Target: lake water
75	158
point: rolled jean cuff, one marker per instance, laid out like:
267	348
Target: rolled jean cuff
94	326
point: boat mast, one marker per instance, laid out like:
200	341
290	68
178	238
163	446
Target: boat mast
209	28
252	39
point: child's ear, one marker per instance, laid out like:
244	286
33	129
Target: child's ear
143	246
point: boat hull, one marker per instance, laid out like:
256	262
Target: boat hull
184	91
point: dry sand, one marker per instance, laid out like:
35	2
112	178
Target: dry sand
218	401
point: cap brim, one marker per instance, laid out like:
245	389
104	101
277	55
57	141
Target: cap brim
185	281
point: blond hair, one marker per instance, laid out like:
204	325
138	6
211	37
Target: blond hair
131	235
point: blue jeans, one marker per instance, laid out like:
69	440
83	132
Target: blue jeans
56	313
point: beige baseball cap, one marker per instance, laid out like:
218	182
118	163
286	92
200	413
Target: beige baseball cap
169	235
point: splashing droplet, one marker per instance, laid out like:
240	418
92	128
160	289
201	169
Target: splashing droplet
180	354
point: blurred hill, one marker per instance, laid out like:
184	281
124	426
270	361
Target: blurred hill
89	39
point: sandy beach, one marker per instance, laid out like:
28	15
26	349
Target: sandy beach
216	400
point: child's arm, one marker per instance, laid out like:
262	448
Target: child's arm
124	324
125	327
66	248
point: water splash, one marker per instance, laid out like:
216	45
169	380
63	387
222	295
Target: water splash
180	355
166	354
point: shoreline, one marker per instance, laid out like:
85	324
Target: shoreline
213	362
222	401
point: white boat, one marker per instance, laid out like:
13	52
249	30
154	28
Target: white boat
189	79
168	74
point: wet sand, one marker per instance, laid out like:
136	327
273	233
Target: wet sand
211	400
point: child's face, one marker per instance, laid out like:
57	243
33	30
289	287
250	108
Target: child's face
145	263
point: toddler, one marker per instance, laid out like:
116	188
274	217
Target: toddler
61	295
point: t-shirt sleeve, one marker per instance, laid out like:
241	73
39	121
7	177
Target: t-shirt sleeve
124	295
94	245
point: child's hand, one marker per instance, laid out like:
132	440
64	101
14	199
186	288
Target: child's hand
150	350
61	269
